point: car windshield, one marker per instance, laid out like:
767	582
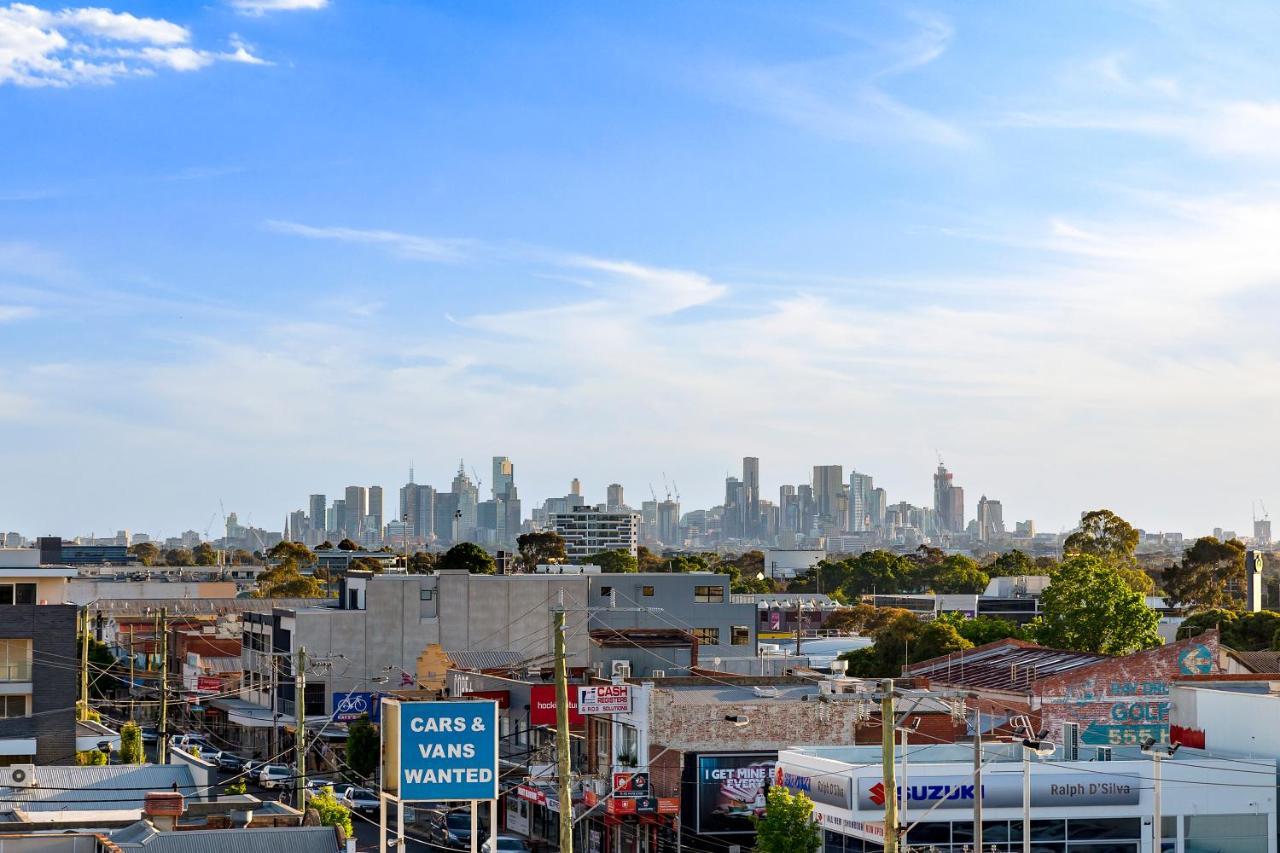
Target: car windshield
457	820
362	794
278	770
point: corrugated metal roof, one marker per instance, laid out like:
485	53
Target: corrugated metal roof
1003	665
285	839
1262	662
495	659
112	788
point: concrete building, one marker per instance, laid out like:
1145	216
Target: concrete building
789	562
615	499
589	530
828	483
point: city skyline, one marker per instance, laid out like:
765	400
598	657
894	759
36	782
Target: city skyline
262	254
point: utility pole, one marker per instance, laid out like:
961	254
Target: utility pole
300	738
887	732
274	751
84	667
563	760
977	776
132	682
162	740
1158	753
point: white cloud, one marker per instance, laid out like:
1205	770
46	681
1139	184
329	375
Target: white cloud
10	313
262	7
405	245
91	45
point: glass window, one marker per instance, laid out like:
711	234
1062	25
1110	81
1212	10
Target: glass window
6	593
606	590
646	590
1090	828
930	833
1047	830
1131	847
707	636
739	635
13	706
15	660
995	831
708	594
25	594
426	594
1241	833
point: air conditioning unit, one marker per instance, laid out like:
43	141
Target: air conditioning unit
18	776
658	673
621	669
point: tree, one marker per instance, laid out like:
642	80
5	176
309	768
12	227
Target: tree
204	555
146	552
985	629
422	562
326	545
1088	607
366	564
1104	535
330	811
179	557
826	575
904	640
647	561
615	562
1013	563
875	572
241	557
235	786
285	581
787	825
1211	574
296	551
467	557
348	545
862	618
91	758
1244	632
959	574
539	549
363	747
131	743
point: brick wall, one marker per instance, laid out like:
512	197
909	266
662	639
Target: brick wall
54	680
1123	700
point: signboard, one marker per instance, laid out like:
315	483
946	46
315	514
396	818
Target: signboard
827	788
604	699
730	791
631	785
1004	790
448	750
621	807
208	682
349	707
542	706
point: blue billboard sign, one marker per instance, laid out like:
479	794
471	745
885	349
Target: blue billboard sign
448	750
348	707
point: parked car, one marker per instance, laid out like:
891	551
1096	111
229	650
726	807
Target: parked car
506	844
314	785
275	776
360	799
150	734
253	767
187	742
230	761
452	829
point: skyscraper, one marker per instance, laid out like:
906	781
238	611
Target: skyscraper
575	487
788	509
357	504
860	488
948	501
468	498
751	496
734	522
316	505
827	480
373	518
418	504
990	519
615	498
877	501
504	476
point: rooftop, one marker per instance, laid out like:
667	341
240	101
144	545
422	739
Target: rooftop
119	787
286	839
1002	665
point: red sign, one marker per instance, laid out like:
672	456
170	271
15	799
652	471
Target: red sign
668	805
631	784
533	795
542	706
502	697
208	682
590	798
617	807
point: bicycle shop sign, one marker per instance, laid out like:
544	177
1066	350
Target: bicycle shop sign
349	707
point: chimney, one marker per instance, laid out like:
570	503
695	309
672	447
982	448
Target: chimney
163	808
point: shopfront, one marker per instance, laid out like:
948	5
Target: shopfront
1207	805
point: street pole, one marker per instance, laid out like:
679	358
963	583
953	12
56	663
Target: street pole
977	777
132	682
475	827
887	730
84	667
274	743
563	760
1157	842
1026	800
162	739
300	738
905	808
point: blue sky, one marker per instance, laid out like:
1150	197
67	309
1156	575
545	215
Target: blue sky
253	249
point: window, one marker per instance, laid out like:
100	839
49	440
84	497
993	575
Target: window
13	706
426	594
606	590
1240	833
708	594
707	636
1093	828
17	593
739	635
646	590
15	660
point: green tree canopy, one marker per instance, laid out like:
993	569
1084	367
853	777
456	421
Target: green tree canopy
204	555
1089	607
1240	630
787	825
985	629
283	580
614	562
1210	574
904	640
423	562
330	810
363	747
862	618
876	572
179	557
348	545
292	550
146	552
540	548
647	561
366	564
1104	535
326	545
1013	563
467	557
131	743
958	574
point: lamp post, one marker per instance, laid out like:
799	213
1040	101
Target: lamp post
1043	749
1158	752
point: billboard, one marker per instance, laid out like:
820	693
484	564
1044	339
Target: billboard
348	707
542	706
730	791
604	699
447	750
1004	790
827	788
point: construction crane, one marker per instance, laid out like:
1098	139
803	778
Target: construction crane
476	475
675	488
666	485
652	492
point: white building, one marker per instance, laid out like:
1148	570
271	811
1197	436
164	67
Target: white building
789	562
1207	804
589	530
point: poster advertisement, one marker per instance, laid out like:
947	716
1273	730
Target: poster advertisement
730	791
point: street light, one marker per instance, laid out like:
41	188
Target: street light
1158	752
1043	749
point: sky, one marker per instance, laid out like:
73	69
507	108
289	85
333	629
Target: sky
255	249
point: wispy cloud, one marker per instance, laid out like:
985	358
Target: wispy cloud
847	96
404	245
40	47
11	313
262	7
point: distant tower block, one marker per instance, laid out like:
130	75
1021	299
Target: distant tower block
1253	572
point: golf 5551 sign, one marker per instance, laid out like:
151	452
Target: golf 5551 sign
604	699
449	750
